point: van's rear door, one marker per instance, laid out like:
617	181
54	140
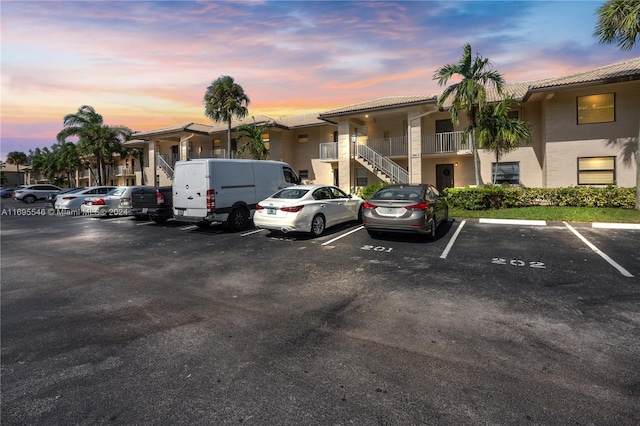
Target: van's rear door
190	184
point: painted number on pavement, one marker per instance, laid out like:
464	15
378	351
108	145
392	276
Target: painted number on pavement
377	248
517	262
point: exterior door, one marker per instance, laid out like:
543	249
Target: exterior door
444	176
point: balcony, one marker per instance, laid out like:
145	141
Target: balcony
439	143
329	151
121	171
210	153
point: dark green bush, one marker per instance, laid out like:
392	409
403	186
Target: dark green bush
367	191
496	197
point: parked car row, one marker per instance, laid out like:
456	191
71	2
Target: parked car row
233	192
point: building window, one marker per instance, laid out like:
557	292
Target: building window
508	172
514	114
303	138
361	176
266	140
303	174
444	126
596	170
596	109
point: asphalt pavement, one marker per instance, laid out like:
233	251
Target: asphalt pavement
119	321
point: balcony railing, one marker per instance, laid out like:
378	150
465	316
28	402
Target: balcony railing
329	151
121	171
439	143
450	142
210	153
389	147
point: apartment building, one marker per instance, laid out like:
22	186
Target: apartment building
585	129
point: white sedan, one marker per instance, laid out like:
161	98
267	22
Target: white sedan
307	208
71	202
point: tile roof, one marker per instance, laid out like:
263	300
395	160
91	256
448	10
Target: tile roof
185	127
305	120
381	103
621	71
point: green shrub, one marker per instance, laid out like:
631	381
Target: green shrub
496	197
367	192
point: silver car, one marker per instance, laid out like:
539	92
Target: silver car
405	208
116	202
30	193
71	202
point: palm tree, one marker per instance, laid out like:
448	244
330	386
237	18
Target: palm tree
19	159
619	22
94	137
470	94
255	143
223	100
500	133
138	153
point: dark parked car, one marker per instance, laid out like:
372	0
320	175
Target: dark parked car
7	192
153	202
405	208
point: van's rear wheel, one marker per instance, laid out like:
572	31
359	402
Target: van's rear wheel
238	219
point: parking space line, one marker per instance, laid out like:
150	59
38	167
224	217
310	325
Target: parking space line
600	253
252	232
514	222
343	235
189	227
145	223
445	253
616	225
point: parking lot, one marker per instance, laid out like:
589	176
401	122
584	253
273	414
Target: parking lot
114	320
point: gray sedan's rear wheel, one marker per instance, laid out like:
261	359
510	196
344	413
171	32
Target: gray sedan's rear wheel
29	199
434	228
317	225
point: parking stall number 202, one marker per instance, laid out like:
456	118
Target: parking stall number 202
518	263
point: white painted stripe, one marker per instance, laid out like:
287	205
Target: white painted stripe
343	235
600	253
188	227
616	225
514	222
252	232
145	223
445	253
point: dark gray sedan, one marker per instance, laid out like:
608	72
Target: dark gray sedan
405	208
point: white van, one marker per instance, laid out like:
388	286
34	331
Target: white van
218	190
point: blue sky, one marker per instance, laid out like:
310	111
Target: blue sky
147	64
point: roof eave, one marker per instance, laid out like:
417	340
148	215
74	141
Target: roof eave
578	85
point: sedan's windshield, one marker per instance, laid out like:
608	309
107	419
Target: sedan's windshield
290	193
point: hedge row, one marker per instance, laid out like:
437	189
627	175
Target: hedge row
496	197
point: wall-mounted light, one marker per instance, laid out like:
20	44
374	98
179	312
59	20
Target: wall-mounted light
455	164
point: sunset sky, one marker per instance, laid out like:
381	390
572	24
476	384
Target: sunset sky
147	64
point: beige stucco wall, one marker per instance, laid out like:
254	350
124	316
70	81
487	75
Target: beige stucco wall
566	140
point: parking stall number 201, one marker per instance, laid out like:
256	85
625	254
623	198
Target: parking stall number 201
518	263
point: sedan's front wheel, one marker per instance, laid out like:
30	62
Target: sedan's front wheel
317	225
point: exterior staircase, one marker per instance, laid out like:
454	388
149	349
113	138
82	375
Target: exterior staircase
383	167
162	163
